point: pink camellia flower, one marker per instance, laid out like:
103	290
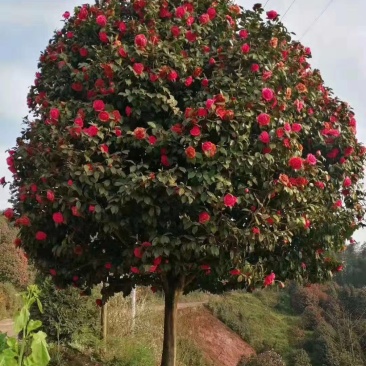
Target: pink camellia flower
347	182
209	149
340	268
58	218
204	217
204	18
235	272
264	119
269	280
210	103
40	235
91	208
296	163
98	105
139	133
230	200
195	131
311	159
264	137
245	48
272	14
303	265
267	94
140	41
66	15
101	20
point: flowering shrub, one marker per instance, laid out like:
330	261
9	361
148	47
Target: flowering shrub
197	128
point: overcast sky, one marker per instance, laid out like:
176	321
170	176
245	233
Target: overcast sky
336	40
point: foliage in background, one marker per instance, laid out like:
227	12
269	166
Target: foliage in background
13	263
32	349
67	315
355	270
10	301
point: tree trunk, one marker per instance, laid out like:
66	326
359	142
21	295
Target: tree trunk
172	290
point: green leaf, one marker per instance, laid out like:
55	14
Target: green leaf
39	355
21	320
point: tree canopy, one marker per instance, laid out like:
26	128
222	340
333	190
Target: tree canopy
184	142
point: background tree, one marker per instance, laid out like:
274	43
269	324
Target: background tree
183	145
13	263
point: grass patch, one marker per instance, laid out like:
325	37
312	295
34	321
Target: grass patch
264	320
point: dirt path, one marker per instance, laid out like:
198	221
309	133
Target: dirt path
219	344
7	326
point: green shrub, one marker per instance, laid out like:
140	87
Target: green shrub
10	301
268	358
69	317
300	358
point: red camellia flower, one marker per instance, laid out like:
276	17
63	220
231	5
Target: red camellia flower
138	68
99	302
164	160
152	140
104	148
66	15
209	149
296	163
103	116
245	48
180	11
137	252
128	111
139	133
40	235
190	152
267	94
254	68
103	37
272	14
53	272
347	182
135	270
264	137
101	20
296	127
195	131
269	280
188	82
108	265
264	119
211	13
58	218
17	242
175	31
91	131
54	114
230	200
140	41
23	221
204	217
98	105
9	213
243	34
191	36
235	272
256	231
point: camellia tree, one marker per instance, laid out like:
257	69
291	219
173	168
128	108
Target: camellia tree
183	145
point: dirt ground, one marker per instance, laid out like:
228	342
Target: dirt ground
219	344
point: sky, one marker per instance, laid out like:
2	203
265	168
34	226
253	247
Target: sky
336	41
